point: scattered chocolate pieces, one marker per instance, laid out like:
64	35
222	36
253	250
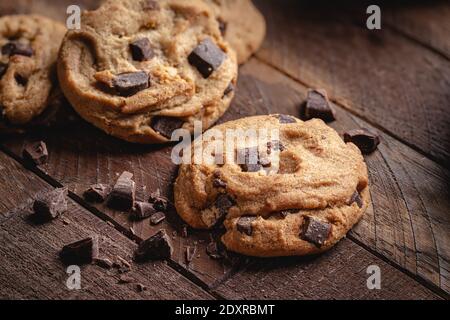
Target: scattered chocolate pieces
151	5
50	205
218	183
190	254
157	218
154	248
244	224
80	252
97	193
364	139
228	89
123	193
284	118
36	152
356	198
206	57
19	48
318	106
129	83
165	126
104	263
315	231
141	50
142	210
222	26
3	68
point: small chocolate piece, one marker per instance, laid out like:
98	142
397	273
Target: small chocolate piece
315	231
129	83
151	5
80	252
140	287
122	264
50	205
3	68
228	89
356	198
123	193
244	225
364	139
19	48
97	193
318	106
207	57
124	279
36	152
190	254
284	118
141	50
160	203
223	203
104	263
218	183
154	248
222	26
142	210
157	218
165	126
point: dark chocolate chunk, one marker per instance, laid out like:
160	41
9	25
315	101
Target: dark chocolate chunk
3	68
140	287
141	50
36	152
123	279
21	80
157	218
223	203
218	183
104	263
123	193
129	83
228	89
207	57
19	48
165	126
142	210
190	253
80	252
222	26
356	198
315	231
50	205
160	204
213	250
97	193
154	248
151	5
364	139
284	118
244	225
318	106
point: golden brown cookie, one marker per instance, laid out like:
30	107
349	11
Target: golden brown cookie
139	69
295	192
29	49
242	25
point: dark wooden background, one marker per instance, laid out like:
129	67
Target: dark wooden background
395	80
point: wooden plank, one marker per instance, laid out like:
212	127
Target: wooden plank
338	274
30	267
379	75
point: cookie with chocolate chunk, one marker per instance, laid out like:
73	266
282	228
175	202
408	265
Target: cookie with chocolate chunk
140	69
29	47
292	188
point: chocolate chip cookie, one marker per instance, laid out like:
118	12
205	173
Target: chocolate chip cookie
242	25
293	188
139	69
29	49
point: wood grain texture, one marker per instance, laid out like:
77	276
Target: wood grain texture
30	267
380	75
338	274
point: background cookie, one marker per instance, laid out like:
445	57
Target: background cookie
307	175
140	69
242	25
29	49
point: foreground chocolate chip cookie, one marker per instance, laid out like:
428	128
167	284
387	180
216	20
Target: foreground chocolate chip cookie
242	25
139	69
294	192
29	49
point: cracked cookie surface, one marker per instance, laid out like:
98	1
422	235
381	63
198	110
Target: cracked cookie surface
296	192
139	69
29	49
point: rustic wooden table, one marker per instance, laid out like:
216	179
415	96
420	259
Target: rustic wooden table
395	80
